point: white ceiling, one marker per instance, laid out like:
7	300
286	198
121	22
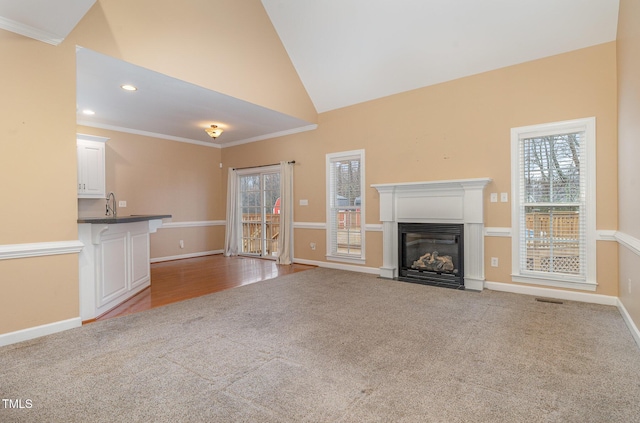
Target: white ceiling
169	108
350	51
345	51
45	20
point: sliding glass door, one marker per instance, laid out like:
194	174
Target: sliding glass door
259	205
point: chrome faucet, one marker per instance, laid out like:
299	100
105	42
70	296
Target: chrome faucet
111	208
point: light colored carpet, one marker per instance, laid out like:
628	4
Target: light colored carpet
333	346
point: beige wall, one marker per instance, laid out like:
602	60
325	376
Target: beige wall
228	46
157	176
629	151
38	291
459	129
38	174
238	54
462	126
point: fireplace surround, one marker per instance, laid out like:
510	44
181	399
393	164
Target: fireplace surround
447	202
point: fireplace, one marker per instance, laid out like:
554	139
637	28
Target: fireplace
454	202
431	254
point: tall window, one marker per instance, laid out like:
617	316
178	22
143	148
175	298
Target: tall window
345	206
553	197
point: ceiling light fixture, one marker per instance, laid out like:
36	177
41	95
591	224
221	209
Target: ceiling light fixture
214	132
128	87
88	112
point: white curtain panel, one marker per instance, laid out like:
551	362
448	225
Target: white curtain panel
285	239
232	231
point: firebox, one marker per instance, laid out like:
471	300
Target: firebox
431	254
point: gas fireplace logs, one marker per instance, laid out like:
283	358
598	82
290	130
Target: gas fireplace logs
435	263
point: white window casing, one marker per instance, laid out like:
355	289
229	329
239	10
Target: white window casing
345	206
553	215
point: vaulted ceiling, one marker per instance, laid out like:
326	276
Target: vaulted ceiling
345	52
351	51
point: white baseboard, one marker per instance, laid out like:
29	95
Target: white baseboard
38	331
629	321
339	266
552	293
473	284
184	256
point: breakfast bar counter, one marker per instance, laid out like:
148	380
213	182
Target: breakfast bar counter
115	261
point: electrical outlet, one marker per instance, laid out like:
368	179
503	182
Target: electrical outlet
312	245
181	243
304	202
494	197
494	261
122	203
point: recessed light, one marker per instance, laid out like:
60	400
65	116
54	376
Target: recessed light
128	87
88	112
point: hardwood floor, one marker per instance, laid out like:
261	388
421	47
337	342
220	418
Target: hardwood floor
178	280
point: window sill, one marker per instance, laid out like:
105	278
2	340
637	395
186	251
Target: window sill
344	259
558	283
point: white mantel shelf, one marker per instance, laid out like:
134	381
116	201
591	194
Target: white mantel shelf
459	201
453	183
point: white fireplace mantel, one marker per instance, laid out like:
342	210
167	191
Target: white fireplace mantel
458	201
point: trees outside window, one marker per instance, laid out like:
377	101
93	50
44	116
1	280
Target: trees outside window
345	206
553	213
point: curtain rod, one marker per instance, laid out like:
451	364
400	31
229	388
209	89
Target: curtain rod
264	165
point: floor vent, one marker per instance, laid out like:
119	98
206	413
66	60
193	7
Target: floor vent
548	300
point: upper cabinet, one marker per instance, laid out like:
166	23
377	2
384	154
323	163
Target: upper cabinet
91	166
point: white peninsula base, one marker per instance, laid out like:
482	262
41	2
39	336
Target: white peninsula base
114	264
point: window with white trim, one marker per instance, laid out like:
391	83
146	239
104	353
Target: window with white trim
553	210
345	206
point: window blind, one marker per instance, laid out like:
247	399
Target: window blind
553	205
345	204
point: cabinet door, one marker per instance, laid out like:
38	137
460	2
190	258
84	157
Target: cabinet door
91	180
113	280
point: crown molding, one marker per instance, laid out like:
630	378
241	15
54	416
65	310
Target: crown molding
190	141
29	31
145	133
272	135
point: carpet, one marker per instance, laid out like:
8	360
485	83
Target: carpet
333	346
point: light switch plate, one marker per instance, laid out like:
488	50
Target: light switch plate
304	202
122	203
504	197
494	197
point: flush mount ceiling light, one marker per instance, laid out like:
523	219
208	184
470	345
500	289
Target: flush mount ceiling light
214	132
88	112
128	87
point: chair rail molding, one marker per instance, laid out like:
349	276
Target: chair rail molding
192	224
37	249
628	241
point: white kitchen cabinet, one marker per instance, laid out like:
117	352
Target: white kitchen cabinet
114	264
91	166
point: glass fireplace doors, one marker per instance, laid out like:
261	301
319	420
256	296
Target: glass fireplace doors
431	254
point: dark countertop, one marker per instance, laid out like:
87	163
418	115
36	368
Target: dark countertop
122	219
